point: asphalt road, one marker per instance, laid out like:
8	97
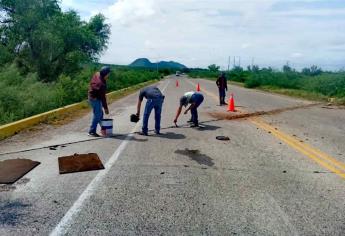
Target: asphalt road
280	174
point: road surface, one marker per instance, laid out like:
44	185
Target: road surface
280	174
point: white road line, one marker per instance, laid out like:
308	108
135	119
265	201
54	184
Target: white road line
66	221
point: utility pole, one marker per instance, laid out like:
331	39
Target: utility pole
229	63
234	62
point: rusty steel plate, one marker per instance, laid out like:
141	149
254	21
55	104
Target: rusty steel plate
14	169
79	163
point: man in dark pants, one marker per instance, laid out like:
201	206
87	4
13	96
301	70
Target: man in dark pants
97	98
195	99
155	100
222	86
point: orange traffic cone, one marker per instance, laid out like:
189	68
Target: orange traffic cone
198	87
177	83
231	106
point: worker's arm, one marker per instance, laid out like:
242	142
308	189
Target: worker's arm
139	106
217	82
178	114
189	108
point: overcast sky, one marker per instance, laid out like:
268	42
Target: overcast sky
198	33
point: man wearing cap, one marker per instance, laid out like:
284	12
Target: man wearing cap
155	100
222	86
195	99
97	98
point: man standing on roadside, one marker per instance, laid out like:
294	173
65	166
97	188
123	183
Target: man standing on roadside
155	100
97	98
195	99
222	86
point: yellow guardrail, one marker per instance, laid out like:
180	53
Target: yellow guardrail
17	126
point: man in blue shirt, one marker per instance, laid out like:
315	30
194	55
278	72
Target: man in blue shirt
195	99
155	100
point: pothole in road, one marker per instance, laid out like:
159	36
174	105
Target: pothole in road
223	138
195	155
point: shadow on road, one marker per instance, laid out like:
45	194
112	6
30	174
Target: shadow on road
170	135
204	127
125	136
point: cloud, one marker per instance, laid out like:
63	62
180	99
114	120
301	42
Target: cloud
327	12
198	33
246	45
296	55
126	12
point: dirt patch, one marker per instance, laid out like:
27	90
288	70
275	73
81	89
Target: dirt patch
79	163
231	116
14	169
195	155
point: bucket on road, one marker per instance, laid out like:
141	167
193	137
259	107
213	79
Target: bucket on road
107	127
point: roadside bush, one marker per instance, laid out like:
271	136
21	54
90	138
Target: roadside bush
237	74
203	73
332	85
24	96
318	82
277	79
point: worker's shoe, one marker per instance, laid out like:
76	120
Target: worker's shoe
157	132
194	125
143	133
93	134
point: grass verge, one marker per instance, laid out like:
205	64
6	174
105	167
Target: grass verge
297	93
61	118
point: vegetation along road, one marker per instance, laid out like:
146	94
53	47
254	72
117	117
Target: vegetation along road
274	166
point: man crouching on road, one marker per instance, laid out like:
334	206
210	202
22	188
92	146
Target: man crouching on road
195	99
97	98
155	100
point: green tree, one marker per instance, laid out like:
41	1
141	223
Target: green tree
312	71
287	68
45	40
213	68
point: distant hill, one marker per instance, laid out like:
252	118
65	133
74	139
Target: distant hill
144	62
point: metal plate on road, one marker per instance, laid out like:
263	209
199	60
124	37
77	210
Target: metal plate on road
79	163
13	170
